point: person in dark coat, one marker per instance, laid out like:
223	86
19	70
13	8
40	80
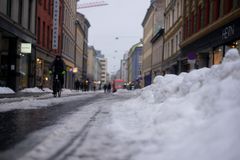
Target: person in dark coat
105	88
58	68
109	87
77	85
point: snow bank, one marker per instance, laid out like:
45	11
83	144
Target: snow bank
32	90
6	90
190	116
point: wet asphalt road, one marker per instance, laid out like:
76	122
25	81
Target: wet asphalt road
17	125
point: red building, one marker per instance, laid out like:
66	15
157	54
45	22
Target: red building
211	27
45	52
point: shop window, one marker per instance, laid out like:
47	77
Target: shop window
23	70
39	72
235	44
218	55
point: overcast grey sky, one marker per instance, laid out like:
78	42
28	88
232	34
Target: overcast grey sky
121	18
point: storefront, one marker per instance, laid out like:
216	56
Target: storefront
69	76
17	56
43	62
147	79
211	49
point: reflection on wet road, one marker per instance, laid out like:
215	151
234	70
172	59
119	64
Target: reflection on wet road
16	125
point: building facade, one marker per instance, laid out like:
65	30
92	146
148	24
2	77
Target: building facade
172	36
45	51
211	27
79	47
135	64
91	63
85	26
17	43
158	38
148	31
68	39
124	68
103	62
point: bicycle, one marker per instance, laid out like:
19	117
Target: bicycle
57	86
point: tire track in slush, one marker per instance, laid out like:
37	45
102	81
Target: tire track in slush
77	141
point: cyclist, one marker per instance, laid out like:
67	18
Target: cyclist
58	68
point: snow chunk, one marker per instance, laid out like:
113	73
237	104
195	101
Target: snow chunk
231	55
32	90
6	90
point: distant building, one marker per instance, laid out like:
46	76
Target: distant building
94	66
135	63
124	68
103	62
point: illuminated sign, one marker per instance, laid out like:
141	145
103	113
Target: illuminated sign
75	70
26	48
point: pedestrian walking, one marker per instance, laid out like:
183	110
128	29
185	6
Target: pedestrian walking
77	85
109	87
105	88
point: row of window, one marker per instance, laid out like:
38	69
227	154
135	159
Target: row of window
69	20
44	31
17	13
172	46
46	5
68	46
173	15
200	15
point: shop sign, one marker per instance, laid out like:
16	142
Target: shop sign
26	48
75	70
55	24
228	32
192	56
